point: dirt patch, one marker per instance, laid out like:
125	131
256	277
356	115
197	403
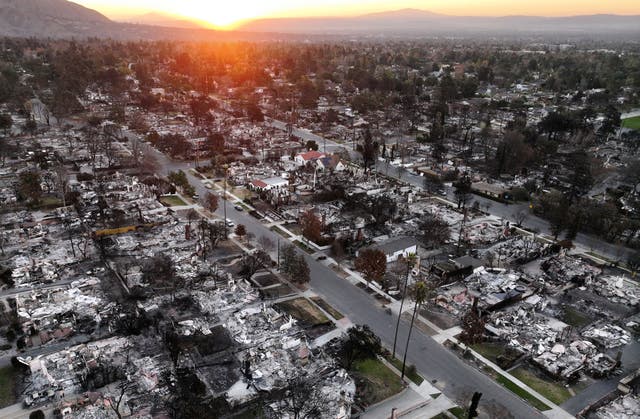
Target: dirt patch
420	325
304	311
265	279
440	318
277	291
326	307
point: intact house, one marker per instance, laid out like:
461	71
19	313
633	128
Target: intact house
269	184
489	189
331	162
308	157
393	249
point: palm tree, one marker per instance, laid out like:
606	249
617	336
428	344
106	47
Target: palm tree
411	260
420	292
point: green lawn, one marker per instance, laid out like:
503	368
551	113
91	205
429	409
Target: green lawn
275	229
416	378
7	384
304	247
172	201
491	351
459	412
377	381
522	393
557	393
632	123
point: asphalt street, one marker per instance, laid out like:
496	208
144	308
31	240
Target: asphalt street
505	211
456	379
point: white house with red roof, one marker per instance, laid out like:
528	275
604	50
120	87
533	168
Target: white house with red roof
269	184
308	157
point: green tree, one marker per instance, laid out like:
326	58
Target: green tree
37	414
463	190
369	150
359	344
311	145
580	174
554	206
241	231
29	186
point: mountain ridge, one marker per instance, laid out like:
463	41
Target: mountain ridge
416	21
165	20
65	19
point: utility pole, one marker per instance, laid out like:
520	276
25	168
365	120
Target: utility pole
224	201
404	291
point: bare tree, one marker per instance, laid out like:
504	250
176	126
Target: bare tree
252	262
266	243
435	231
520	217
192	215
61	182
303	398
491	259
148	160
114	402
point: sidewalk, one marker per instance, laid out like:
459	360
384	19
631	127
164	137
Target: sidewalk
415	402
555	411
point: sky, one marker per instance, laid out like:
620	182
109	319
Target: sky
226	13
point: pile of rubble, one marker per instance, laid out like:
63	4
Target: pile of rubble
608	335
526	330
541	337
494	287
616	289
624	407
485	230
65	372
275	351
566	361
517	250
565	269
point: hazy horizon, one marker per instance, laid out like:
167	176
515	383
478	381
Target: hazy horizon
231	15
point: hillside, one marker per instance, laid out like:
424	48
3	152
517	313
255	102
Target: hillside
420	22
48	18
161	19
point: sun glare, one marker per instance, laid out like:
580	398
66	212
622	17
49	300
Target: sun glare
226	15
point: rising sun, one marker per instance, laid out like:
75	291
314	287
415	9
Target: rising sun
228	13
